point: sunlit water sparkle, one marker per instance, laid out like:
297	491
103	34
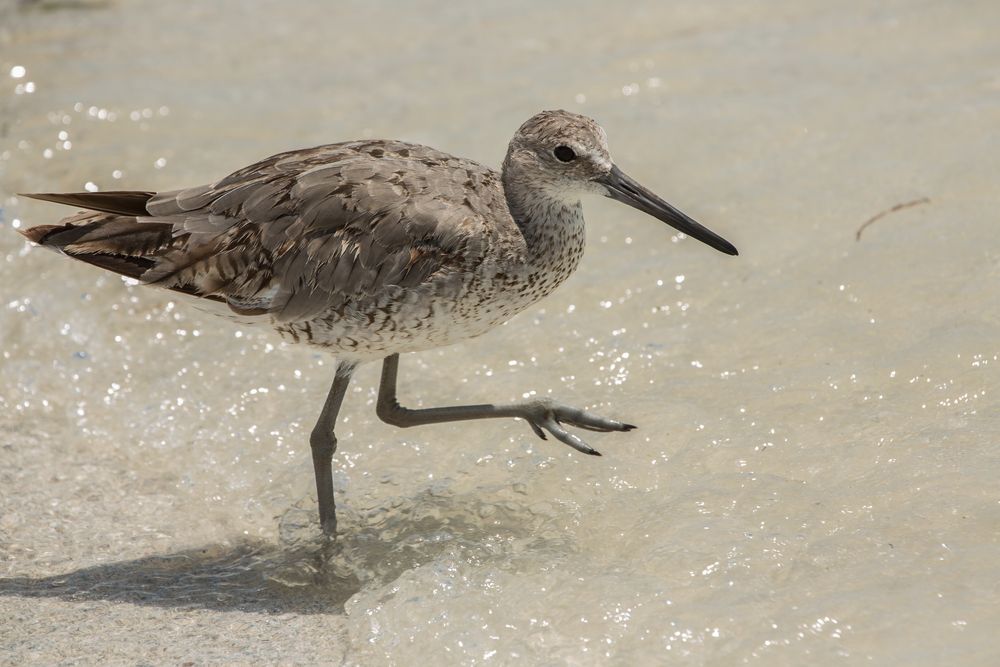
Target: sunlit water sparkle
814	477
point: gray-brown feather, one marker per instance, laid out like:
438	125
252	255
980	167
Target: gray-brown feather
121	202
299	233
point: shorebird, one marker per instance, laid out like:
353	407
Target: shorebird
370	249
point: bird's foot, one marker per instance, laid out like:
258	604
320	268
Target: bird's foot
549	416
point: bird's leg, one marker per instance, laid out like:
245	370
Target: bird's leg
541	414
324	443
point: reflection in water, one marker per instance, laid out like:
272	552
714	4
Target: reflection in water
307	573
212	577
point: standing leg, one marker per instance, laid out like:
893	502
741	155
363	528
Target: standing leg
541	414
324	443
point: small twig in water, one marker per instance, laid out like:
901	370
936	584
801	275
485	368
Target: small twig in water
897	207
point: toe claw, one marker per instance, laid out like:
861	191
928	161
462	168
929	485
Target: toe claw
565	437
550	418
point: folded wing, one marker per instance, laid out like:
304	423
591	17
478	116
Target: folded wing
294	235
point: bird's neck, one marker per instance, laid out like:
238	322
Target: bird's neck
552	228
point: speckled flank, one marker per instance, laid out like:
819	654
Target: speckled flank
364	248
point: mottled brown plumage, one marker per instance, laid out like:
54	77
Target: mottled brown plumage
372	248
300	233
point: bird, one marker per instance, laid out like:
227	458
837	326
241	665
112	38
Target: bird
370	249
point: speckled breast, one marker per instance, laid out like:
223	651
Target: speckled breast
451	307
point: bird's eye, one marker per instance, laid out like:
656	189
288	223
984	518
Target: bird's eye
564	154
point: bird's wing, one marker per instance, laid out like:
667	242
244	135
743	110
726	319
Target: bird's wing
299	233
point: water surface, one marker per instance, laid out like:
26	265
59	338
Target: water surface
814	477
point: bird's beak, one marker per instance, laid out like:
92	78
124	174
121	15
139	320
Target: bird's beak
624	188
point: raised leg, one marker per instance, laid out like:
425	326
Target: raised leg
541	414
324	443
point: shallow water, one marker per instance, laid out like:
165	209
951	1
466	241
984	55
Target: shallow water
814	477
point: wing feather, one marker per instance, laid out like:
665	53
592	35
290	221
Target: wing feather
299	233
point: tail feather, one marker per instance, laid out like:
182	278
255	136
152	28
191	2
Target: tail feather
41	232
130	267
63	237
100	233
119	235
111	242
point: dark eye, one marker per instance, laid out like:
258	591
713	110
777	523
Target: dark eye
564	154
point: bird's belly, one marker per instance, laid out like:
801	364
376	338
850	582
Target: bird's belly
436	314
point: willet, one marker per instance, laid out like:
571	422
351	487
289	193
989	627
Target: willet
370	249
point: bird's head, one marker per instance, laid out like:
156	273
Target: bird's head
563	155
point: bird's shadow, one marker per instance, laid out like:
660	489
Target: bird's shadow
304	572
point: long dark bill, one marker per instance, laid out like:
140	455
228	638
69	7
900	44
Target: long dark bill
624	188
